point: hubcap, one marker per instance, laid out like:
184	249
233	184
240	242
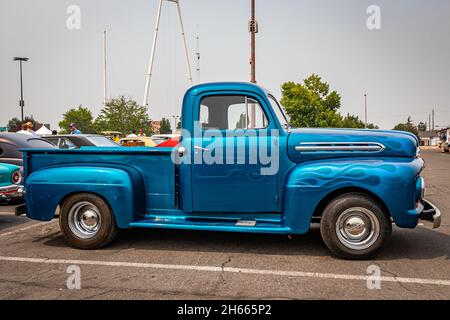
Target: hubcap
357	228
84	220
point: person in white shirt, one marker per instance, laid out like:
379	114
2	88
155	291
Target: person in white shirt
27	128
132	135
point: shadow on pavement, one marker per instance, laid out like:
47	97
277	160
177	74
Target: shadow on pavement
414	244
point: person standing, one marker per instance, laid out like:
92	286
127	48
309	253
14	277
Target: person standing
132	135
27	128
73	129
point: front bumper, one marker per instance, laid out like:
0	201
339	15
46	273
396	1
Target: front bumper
12	192
428	212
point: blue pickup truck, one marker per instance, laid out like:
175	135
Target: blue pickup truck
239	167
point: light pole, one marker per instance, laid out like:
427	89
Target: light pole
21	102
175	119
365	110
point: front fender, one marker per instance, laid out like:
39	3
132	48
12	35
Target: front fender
119	187
392	180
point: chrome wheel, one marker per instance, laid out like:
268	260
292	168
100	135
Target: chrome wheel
357	228
84	220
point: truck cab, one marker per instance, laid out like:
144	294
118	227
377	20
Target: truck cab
239	167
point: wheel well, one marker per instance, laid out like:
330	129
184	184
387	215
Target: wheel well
327	199
67	196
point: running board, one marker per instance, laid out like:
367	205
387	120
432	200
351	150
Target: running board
249	226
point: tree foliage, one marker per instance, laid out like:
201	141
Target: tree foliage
81	116
408	126
311	104
124	115
165	126
15	124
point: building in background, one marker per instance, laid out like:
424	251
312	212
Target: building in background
429	138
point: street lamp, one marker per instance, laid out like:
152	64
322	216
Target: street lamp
175	118
365	111
21	102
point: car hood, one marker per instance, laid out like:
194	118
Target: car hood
308	144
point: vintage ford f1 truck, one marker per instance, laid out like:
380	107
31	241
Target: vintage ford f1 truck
239	167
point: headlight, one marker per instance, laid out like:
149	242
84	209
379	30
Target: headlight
16	177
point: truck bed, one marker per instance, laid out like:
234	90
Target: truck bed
153	164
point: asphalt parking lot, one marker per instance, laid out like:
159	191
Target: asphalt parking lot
36	263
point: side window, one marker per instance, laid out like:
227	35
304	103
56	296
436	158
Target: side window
232	113
66	144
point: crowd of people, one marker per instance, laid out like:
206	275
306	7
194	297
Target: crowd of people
134	134
27	128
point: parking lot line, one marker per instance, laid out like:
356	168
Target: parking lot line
298	274
34	225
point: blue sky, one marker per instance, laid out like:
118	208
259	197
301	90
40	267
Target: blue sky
404	67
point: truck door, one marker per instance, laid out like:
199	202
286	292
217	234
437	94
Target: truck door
232	134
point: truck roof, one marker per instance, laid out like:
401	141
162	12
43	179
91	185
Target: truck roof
219	86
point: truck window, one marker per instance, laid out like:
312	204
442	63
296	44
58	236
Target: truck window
232	113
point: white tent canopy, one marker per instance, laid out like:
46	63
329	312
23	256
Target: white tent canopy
44	131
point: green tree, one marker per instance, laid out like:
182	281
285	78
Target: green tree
311	104
81	116
408	127
352	121
124	115
165	126
15	124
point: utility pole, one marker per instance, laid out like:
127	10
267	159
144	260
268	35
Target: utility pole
433	119
429	123
253	29
105	93
21	102
198	57
365	111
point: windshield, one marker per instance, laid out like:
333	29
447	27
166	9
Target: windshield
102	142
279	112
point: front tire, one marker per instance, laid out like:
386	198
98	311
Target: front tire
87	222
355	227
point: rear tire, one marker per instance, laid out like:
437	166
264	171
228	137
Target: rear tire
355	227
87	222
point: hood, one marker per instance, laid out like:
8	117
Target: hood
308	144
